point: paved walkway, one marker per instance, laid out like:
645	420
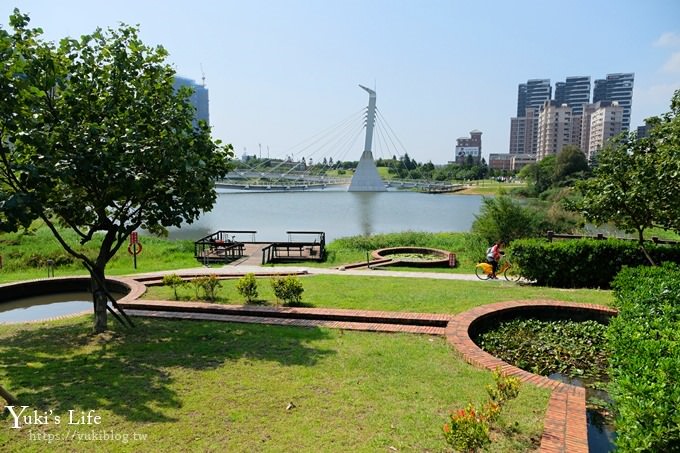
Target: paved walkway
249	267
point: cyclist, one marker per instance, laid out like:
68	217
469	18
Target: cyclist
493	256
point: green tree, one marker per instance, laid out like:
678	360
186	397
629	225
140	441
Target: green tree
570	163
635	184
625	188
247	287
95	139
665	134
539	176
500	218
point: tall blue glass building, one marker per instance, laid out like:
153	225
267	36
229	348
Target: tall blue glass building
199	99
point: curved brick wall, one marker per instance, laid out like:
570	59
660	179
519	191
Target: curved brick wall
564	428
387	252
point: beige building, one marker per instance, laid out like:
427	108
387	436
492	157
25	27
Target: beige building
522	160
554	128
601	121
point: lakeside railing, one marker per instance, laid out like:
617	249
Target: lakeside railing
599	236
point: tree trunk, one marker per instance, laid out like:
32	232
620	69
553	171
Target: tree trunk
641	239
11	400
100	300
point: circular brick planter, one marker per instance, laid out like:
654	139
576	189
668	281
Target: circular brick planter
564	429
441	260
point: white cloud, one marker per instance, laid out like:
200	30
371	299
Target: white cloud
672	65
668	39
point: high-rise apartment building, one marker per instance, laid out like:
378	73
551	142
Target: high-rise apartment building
554	128
601	121
541	128
575	92
617	87
524	128
199	98
524	132
532	95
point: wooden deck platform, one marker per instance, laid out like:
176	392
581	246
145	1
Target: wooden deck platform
222	247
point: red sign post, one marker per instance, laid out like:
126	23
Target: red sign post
135	247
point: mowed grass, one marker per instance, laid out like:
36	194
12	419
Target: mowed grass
395	293
25	255
209	386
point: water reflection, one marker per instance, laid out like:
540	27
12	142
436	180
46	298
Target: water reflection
42	307
337	213
365	202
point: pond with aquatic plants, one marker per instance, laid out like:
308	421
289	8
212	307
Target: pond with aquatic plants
570	351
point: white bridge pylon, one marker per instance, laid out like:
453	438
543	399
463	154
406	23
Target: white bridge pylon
366	177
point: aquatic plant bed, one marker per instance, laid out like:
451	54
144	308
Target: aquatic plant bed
572	348
205	386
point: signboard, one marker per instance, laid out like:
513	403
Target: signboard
467	151
133	238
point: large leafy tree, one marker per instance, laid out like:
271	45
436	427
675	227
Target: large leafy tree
571	163
539	175
95	139
636	184
665	134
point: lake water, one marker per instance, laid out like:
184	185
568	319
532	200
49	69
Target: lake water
338	213
42	307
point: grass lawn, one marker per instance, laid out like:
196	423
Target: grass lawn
25	255
489	187
207	386
397	294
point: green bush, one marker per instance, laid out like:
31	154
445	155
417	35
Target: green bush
645	359
174	281
288	289
247	287
501	218
209	285
582	263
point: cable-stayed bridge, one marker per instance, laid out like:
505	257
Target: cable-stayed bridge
298	171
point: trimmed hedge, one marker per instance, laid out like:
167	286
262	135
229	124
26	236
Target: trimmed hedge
582	263
644	340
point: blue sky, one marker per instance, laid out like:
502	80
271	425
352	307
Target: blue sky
280	72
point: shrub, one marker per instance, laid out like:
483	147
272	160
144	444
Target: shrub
288	289
247	287
468	429
582	263
644	340
209	285
174	281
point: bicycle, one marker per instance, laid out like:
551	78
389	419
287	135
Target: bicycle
484	270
